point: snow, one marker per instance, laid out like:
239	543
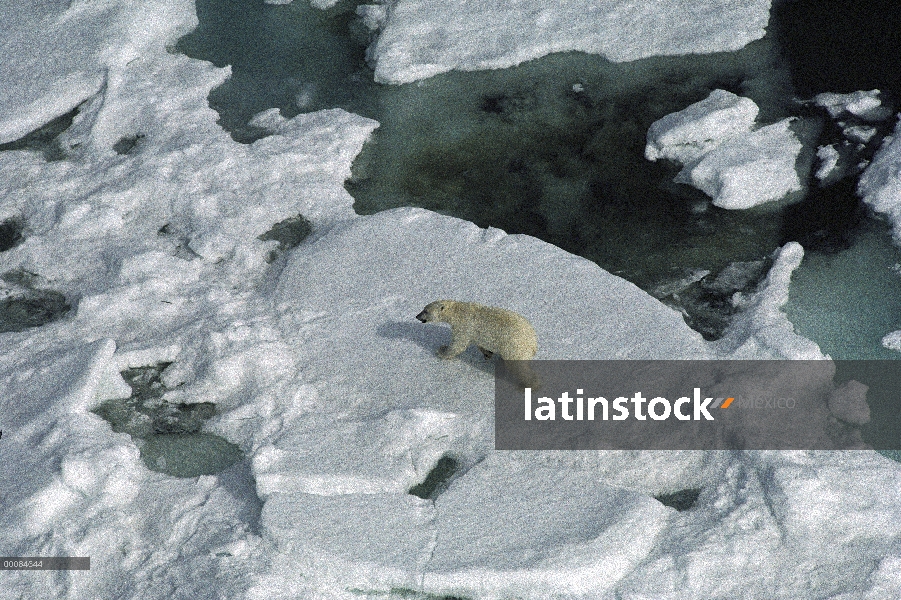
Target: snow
58	56
828	169
880	184
688	134
892	340
762	330
331	388
736	166
422	38
749	170
863	104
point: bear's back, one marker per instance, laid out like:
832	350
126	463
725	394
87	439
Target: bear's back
501	331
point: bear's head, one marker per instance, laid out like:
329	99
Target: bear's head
433	312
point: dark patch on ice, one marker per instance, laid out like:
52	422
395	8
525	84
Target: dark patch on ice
24	306
45	139
682	500
408	594
10	234
183	418
182	248
288	233
437	479
146	382
190	455
128	143
840	46
169	432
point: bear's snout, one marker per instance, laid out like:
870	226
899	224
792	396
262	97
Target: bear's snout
422	317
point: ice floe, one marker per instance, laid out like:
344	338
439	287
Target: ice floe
735	164
421	38
880	184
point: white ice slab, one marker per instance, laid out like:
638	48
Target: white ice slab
58	54
863	104
748	170
880	184
422	38
725	157
690	133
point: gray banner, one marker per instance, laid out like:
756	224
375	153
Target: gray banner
45	563
698	405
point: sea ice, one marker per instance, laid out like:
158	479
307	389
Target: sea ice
762	330
687	135
748	170
892	341
320	373
828	169
421	38
859	133
880	184
56	54
865	105
736	166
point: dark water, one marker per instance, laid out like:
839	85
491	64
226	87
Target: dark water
293	57
839	45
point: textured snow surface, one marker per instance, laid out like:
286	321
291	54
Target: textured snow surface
424	37
880	184
322	376
737	165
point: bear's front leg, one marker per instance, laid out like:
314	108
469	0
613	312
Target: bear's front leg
458	344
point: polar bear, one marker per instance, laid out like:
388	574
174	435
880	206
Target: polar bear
493	330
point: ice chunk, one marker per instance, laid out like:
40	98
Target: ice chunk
865	105
749	170
892	341
693	131
859	133
880	184
849	403
422	38
763	330
828	171
373	15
